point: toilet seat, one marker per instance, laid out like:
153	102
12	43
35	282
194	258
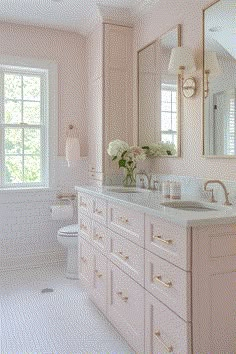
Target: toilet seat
69	231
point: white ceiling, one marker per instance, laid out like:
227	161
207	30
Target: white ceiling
73	15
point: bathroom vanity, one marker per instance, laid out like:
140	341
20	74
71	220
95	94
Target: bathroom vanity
165	278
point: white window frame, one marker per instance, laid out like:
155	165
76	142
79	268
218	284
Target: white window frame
171	88
48	72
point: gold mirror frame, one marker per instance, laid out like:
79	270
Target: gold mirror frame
179	98
204	91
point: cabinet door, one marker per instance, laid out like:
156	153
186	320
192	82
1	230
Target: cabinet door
96	128
85	264
165	331
118	85
214	289
126	307
99	284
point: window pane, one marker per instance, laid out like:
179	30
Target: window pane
31	88
13	169
173	107
174	94
31	112
12	112
32	141
174	121
167	138
12	86
13	141
165	121
166	107
165	96
32	169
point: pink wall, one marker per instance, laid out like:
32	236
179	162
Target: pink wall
67	49
164	16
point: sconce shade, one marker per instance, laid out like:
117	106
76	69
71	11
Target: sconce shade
181	58
72	147
211	64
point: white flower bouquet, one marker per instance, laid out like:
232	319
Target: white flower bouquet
127	157
160	149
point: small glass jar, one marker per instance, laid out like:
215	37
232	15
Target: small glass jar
175	190
166	189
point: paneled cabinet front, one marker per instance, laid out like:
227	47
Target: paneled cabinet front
118	271
110	94
126	306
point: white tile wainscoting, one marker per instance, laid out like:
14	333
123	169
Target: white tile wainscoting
28	235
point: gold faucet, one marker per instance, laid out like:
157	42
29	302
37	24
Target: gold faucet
148	176
227	202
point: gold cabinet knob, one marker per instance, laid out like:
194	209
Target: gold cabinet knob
98	275
99	212
83	227
123	298
121	255
159	238
158	280
169	348
123	219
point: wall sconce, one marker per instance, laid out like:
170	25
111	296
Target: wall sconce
72	146
182	62
211	69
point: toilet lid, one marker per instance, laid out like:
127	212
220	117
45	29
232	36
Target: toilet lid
70	230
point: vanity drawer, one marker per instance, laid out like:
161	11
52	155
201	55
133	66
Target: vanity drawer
85	204
85	227
101	237
127	256
100	211
169	241
165	331
98	292
126	307
170	284
85	263
126	222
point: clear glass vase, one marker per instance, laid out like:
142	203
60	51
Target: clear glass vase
130	177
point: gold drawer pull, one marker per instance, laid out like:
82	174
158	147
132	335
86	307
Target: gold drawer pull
99	212
158	279
167	347
123	298
83	259
121	255
168	242
97	237
123	219
83	204
83	227
99	275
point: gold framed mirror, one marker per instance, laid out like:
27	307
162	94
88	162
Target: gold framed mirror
219	78
159	97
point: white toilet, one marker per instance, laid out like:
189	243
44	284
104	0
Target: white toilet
68	236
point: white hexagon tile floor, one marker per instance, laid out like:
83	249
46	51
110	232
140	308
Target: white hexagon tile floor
60	322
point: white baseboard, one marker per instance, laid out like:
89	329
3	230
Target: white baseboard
32	260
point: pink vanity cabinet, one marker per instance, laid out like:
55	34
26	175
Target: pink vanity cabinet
166	287
110	94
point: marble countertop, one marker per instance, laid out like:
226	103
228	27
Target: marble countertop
150	202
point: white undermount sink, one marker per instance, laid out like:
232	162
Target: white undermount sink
190	206
126	190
